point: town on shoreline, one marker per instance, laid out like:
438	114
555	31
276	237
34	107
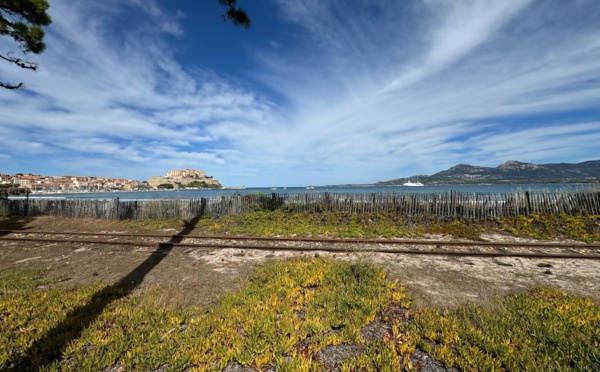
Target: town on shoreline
173	180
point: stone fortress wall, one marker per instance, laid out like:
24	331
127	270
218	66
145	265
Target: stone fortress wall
183	177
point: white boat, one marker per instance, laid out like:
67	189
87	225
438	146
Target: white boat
310	187
413	184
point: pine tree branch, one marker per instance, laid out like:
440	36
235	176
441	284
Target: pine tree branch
21	20
19	62
11	86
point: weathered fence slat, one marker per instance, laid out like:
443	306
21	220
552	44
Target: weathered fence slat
451	204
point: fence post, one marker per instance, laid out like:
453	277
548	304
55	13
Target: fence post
453	202
202	207
26	204
116	208
527	203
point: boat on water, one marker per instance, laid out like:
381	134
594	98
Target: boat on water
310	187
412	183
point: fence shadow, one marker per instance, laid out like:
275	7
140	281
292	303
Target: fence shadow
13	224
53	343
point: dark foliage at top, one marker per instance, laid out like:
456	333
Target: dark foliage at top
236	15
22	20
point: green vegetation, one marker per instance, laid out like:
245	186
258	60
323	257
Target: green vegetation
203	185
540	331
307	224
388	225
286	314
23	279
196	184
584	227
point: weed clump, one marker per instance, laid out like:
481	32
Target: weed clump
330	224
580	227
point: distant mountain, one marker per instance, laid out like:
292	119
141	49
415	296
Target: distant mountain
510	172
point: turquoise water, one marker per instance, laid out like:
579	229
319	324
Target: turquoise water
197	194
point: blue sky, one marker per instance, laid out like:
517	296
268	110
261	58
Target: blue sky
315	92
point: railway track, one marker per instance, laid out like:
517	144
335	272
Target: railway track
540	250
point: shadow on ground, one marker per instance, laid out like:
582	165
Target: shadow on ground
9	224
52	344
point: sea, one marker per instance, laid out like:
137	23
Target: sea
353	189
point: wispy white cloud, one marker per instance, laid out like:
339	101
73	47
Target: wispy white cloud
357	92
478	66
537	143
121	97
168	22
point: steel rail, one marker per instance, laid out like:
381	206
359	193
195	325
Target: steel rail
324	249
317	240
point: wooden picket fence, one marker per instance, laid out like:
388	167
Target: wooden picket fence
449	204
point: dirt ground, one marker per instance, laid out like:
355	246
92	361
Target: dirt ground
194	276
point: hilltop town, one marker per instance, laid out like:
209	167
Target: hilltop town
174	179
39	183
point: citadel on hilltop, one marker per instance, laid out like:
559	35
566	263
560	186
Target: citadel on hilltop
185	178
